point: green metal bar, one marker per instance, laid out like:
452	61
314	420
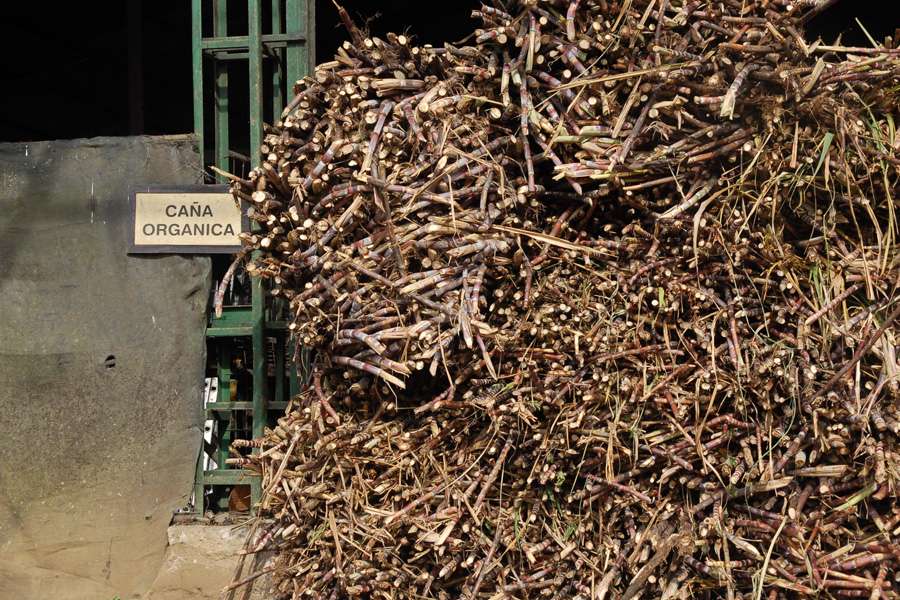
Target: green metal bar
232	316
229	477
197	64
223	373
293	382
254	18
226	436
242	42
300	19
222	55
309	45
220	28
259	376
197	99
279	368
224	422
277	64
215	407
299	14
229	331
228	406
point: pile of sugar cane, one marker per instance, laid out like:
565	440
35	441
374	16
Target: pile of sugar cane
602	303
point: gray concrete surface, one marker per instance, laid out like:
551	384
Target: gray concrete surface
101	363
200	562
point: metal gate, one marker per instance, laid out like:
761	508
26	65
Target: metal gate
251	374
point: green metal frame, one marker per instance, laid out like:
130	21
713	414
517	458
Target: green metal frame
289	49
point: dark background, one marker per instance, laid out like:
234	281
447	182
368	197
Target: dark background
82	69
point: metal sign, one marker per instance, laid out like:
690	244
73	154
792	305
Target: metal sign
198	219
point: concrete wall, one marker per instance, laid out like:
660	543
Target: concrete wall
101	363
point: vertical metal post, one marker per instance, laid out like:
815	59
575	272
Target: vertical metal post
279	367
224	422
254	18
300	19
293	379
199	487
197	66
309	24
220	29
277	64
223	373
197	63
259	377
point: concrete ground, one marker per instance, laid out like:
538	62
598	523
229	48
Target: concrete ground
197	564
200	562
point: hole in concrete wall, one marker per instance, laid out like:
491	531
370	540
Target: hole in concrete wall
110	362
